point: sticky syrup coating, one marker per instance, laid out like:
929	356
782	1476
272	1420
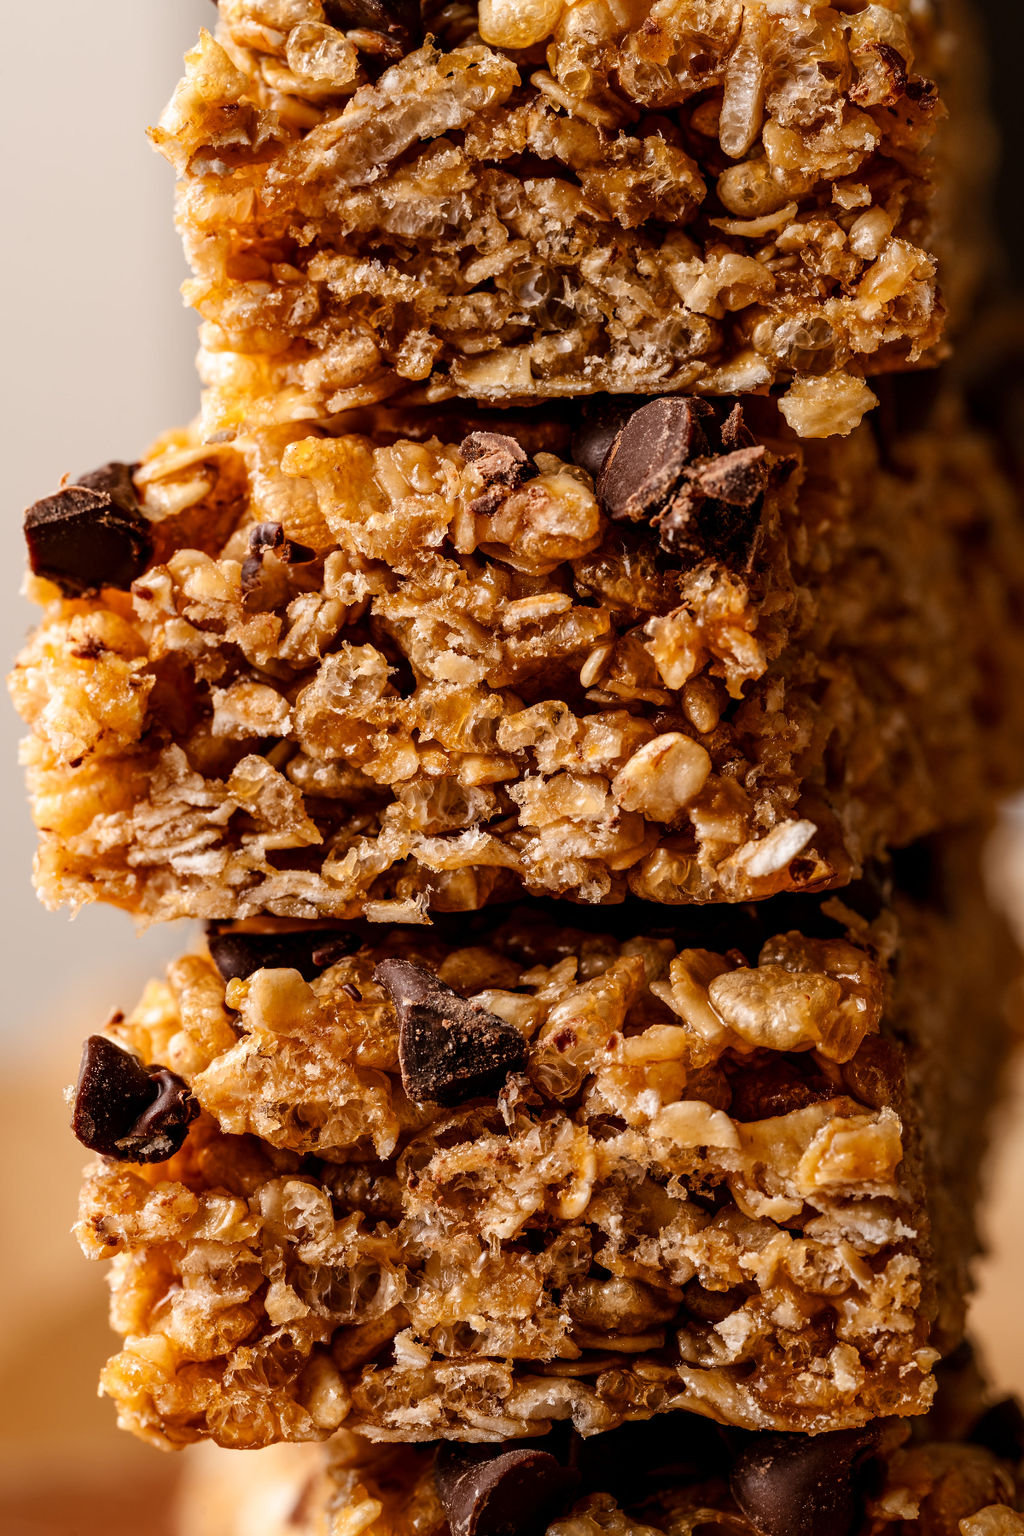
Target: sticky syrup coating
704	1191
563	198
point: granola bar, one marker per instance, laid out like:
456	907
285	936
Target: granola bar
664	651
959	1471
668	1167
507	200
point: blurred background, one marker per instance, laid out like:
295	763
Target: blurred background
99	354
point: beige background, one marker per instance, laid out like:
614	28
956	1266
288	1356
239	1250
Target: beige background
97	361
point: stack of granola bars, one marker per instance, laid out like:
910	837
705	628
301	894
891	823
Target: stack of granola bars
568	667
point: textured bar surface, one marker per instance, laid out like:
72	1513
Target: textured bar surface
561	198
958	1471
705	1189
469	680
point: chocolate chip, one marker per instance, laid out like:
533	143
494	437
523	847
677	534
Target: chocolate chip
646	460
309	952
805	1485
601	420
1001	1430
123	1109
399	20
500	462
449	1050
270	536
701	483
717	508
491	1491
90	534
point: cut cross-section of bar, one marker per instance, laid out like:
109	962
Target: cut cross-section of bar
958	1471
672	653
691	1168
554	199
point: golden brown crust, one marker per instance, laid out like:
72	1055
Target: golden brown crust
456	700
704	1190
560	199
929	1487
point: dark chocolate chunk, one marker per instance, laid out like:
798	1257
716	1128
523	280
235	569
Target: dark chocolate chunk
126	1110
115	480
737	478
449	1050
699	481
805	1485
308	951
90	534
717	508
646	460
1001	1430
601	420
398	20
503	457
270	536
490	1491
502	464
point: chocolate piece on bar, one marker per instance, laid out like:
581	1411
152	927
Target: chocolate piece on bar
449	1049
797	1485
502	464
90	534
308	951
399	20
601	420
717	509
264	538
127	1111
645	463
491	1491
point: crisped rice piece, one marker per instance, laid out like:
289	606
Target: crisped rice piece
461	674
703	1189
956	1470
562	198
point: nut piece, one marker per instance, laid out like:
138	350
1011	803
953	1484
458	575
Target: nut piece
449	1050
488	1491
500	462
127	1111
662	778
